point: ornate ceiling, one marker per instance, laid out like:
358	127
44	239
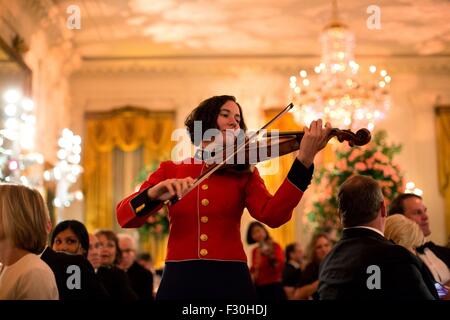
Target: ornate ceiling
142	28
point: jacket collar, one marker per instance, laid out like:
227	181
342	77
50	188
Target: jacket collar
358	232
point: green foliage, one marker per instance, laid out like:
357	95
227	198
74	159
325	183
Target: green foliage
157	225
374	160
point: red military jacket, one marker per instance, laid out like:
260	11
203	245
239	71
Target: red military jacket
205	223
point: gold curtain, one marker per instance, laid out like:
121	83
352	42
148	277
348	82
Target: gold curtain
286	234
128	129
443	148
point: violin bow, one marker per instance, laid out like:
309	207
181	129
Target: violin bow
213	169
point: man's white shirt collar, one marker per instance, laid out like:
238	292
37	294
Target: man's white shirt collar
365	227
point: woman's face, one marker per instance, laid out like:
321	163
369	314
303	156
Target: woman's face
67	241
108	251
229	117
94	251
258	234
322	248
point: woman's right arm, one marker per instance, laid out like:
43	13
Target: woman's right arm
134	210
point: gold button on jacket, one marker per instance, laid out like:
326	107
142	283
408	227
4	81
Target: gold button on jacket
204	219
203	252
205	202
205	187
203	237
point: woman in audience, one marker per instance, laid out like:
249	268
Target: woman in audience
94	252
407	233
70	236
23	235
267	263
70	244
318	249
292	272
115	280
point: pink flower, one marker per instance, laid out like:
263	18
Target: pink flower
158	228
355	154
341	165
381	157
360	166
370	162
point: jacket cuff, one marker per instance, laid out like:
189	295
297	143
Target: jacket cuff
299	175
142	205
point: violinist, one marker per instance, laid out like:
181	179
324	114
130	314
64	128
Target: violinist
205	257
267	263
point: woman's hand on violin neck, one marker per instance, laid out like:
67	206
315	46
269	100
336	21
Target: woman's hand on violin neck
167	189
314	140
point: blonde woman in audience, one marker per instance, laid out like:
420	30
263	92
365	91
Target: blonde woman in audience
318	248
23	235
407	233
403	232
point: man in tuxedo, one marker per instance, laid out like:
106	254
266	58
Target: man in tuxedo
412	207
363	265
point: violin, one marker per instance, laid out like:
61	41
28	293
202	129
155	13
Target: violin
277	144
274	145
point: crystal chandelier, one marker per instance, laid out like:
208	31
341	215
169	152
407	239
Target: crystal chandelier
337	91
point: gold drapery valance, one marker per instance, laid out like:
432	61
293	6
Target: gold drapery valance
443	149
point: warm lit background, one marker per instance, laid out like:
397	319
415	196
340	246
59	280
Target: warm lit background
136	68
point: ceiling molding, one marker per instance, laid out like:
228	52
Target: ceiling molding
232	65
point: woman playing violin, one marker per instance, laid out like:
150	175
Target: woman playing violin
205	257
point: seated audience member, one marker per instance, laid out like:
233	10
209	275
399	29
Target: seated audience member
318	249
408	234
145	260
267	263
140	278
113	279
363	265
23	235
292	271
70	243
70	236
412	207
94	252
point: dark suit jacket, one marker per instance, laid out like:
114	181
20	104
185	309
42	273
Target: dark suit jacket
116	283
344	272
59	262
291	275
141	281
441	252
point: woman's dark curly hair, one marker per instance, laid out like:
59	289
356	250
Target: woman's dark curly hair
207	112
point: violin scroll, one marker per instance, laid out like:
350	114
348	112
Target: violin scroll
360	138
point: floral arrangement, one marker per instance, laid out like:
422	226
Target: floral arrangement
375	160
157	224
